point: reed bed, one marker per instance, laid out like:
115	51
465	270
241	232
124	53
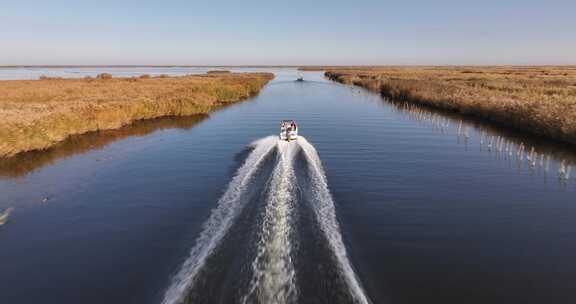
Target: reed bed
538	100
27	162
37	114
537	155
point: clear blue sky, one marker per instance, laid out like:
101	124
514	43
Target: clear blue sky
292	32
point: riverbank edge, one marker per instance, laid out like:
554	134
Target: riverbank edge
189	95
508	119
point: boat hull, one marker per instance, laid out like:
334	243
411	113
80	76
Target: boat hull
288	136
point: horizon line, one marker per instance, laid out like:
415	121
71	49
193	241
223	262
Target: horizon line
266	66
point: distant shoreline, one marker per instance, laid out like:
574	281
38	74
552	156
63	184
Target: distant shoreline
300	67
149	66
447	66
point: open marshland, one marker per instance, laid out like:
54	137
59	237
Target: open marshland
538	100
36	114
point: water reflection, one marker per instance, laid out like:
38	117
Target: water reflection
522	152
25	163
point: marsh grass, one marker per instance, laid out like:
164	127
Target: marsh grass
37	114
216	72
26	162
538	100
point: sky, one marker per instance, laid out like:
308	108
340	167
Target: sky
293	32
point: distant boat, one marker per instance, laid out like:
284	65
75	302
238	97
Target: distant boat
300	77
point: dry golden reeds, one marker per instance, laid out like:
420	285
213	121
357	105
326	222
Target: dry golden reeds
36	114
538	100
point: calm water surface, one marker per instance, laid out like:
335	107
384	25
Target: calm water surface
12	73
427	208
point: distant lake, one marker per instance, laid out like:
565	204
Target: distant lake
14	73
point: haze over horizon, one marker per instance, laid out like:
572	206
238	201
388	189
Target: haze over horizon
288	33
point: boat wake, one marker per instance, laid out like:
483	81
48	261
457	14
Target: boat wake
271	271
220	220
324	208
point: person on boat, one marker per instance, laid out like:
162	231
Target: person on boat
293	125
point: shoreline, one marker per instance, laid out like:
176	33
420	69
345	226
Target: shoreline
540	101
38	114
146	66
24	163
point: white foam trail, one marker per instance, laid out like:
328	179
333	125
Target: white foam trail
221	218
273	280
4	215
323	206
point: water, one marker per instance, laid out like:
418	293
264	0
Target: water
377	202
12	73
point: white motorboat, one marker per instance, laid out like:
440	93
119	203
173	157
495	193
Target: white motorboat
300	77
288	130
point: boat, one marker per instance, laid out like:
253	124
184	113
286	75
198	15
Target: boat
288	130
300	77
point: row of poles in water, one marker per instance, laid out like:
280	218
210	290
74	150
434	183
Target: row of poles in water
502	146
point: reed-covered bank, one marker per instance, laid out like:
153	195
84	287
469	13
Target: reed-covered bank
538	100
26	162
37	114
